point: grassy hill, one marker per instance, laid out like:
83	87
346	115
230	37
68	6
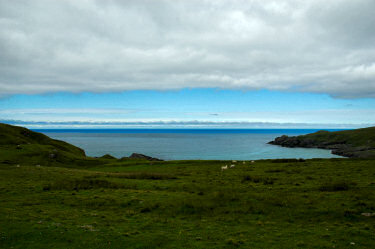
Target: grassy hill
19	145
350	143
83	202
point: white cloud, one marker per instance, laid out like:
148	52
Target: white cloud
107	46
330	117
179	124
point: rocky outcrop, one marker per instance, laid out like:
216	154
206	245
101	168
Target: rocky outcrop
343	143
141	156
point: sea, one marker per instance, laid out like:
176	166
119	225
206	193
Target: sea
187	144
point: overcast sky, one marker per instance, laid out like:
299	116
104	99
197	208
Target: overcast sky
317	47
107	46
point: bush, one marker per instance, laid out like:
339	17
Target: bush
274	170
258	179
336	186
142	175
82	184
288	160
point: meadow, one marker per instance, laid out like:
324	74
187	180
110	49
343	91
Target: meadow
321	203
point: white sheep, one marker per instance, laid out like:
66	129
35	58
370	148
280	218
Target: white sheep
252	161
234	161
224	167
232	166
243	162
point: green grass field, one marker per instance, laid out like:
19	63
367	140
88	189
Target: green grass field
53	196
189	204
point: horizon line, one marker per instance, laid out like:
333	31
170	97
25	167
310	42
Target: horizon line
193	124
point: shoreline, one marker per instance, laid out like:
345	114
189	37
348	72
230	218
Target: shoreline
350	143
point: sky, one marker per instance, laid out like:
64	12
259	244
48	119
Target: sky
253	63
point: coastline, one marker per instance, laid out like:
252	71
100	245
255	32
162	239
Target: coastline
188	144
358	143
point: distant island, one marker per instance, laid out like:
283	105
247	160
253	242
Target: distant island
359	143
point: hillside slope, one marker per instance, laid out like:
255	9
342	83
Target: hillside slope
359	143
20	145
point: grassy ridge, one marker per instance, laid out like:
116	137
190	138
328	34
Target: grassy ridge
14	135
358	137
350	143
19	145
73	201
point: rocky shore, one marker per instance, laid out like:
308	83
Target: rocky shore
353	143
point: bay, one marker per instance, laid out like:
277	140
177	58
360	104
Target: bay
187	144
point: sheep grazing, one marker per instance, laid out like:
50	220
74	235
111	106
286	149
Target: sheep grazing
224	167
243	162
252	161
234	161
232	166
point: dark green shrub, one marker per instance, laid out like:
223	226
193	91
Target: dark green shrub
336	186
82	184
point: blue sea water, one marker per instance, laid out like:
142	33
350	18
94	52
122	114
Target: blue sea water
181	144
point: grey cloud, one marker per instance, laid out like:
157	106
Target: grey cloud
107	46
